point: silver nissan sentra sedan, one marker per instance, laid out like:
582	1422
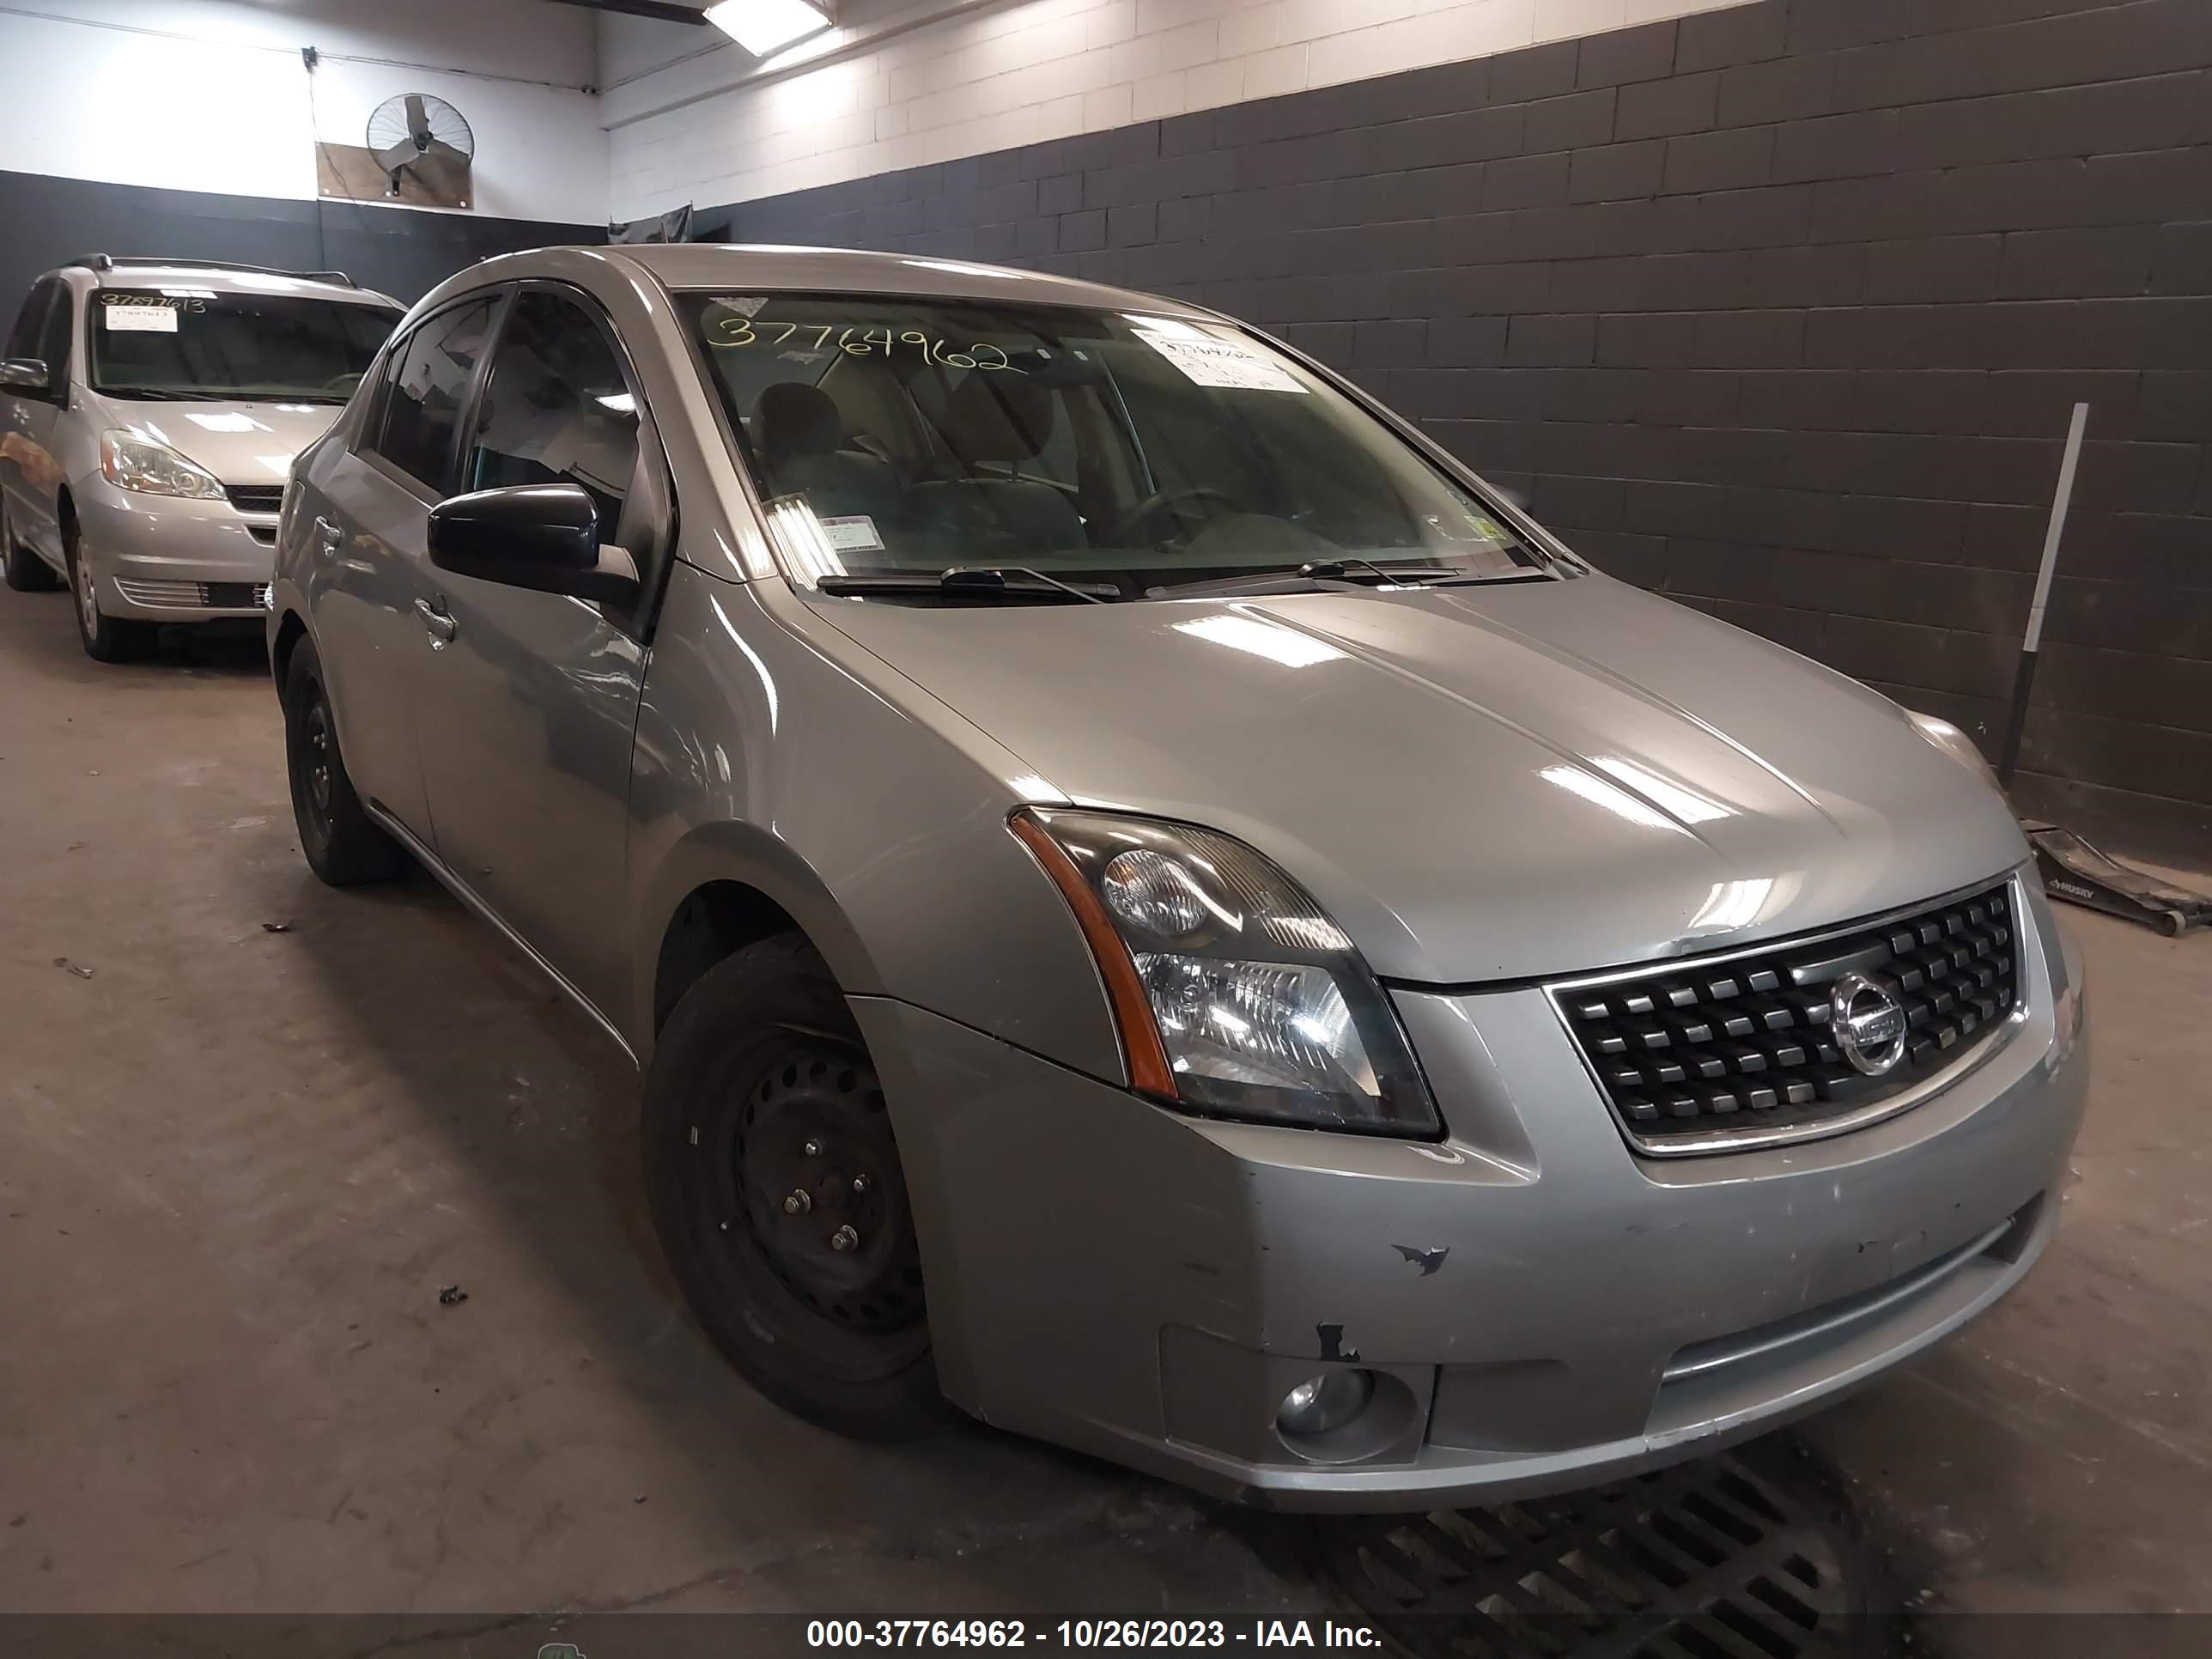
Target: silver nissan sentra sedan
1153	905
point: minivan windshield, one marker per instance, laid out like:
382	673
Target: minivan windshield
176	343
1099	454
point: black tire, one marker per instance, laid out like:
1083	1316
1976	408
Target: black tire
106	639
27	572
761	1087
345	846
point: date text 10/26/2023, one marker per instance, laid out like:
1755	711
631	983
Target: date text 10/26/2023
1088	1633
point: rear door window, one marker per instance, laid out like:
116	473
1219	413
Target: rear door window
427	385
30	321
54	338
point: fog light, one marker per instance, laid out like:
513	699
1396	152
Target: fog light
1325	1402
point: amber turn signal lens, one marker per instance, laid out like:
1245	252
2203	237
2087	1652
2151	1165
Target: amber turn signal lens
1141	1046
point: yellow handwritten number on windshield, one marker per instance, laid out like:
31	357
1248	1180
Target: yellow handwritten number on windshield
854	340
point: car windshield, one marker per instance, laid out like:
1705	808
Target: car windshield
1120	454
176	342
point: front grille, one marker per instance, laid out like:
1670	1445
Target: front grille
194	596
255	498
1695	1055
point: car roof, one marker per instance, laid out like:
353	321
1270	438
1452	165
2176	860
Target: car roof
726	265
227	279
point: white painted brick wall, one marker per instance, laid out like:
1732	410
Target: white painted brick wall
705	129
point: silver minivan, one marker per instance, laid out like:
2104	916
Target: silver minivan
1155	907
150	411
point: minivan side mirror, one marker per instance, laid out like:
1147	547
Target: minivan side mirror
542	537
26	375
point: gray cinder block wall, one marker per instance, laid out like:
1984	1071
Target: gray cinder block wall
1778	310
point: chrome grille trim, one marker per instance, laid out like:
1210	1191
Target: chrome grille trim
159	595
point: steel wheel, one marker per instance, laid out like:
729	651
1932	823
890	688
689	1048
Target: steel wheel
344	846
814	1175
777	1190
315	739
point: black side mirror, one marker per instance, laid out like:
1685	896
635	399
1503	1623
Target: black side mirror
25	375
542	537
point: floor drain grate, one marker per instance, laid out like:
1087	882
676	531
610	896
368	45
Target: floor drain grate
1707	1560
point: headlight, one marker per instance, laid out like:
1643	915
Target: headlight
1237	997
131	462
1955	744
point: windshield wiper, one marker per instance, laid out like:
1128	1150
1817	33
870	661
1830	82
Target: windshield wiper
988	584
1323	573
165	394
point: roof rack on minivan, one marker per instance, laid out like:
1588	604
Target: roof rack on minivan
110	261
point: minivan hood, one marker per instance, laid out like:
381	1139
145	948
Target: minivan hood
1508	781
241	443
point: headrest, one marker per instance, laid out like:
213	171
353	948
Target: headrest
995	416
791	418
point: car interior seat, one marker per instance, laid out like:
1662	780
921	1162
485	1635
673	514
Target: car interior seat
1001	420
800	440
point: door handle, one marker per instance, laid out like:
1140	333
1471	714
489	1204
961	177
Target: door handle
331	536
442	626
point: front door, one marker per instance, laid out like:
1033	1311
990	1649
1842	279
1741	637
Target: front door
529	703
29	472
367	568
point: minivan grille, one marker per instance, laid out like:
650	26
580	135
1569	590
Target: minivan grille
1694	1054
255	498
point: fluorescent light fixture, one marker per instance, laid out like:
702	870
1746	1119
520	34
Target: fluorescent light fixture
763	26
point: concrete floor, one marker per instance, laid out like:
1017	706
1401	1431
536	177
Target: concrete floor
235	1166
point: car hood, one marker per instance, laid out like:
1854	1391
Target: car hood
241	443
1509	781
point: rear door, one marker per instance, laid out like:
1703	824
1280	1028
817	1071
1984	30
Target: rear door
529	705
29	472
364	572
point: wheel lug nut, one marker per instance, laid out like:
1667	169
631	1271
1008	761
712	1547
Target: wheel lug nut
798	1204
859	1184
813	1148
844	1239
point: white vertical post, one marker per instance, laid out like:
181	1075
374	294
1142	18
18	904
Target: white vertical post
2031	641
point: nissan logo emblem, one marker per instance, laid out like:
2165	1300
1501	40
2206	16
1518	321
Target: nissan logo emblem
1868	1020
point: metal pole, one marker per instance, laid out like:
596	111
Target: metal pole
2031	641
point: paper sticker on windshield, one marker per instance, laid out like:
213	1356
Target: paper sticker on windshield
749	306
856	534
1208	360
139	320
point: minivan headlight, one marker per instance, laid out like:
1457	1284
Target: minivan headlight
1236	995
131	462
1955	744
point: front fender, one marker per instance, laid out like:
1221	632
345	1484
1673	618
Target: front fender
743	853
771	750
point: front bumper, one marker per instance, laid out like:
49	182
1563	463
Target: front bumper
161	559
1542	1308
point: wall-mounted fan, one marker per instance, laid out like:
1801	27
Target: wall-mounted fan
418	137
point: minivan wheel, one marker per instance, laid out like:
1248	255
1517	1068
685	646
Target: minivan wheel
106	639
345	846
777	1193
27	572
